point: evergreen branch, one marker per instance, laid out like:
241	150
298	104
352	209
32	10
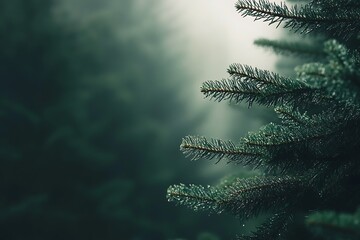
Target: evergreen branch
247	73
291	48
335	75
305	141
335	4
298	1
272	229
340	55
200	147
312	72
320	148
244	197
329	78
261	86
291	116
274	135
304	19
285	137
279	146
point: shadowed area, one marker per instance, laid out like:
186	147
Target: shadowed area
95	97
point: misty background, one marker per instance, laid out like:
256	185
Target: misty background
95	97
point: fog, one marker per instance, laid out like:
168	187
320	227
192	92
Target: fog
95	98
213	36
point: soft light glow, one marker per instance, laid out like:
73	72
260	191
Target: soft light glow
214	36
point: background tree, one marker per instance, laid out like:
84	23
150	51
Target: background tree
89	121
309	157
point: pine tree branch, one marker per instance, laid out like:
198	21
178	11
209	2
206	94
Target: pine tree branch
273	229
335	4
261	86
320	136
273	135
291	116
200	147
261	77
244	197
327	124
319	149
340	55
279	146
295	48
304	19
335	76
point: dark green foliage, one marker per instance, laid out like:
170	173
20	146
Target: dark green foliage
310	156
85	132
293	48
272	229
332	225
242	197
264	87
280	145
200	147
305	18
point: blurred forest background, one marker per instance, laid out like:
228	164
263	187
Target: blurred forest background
93	106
